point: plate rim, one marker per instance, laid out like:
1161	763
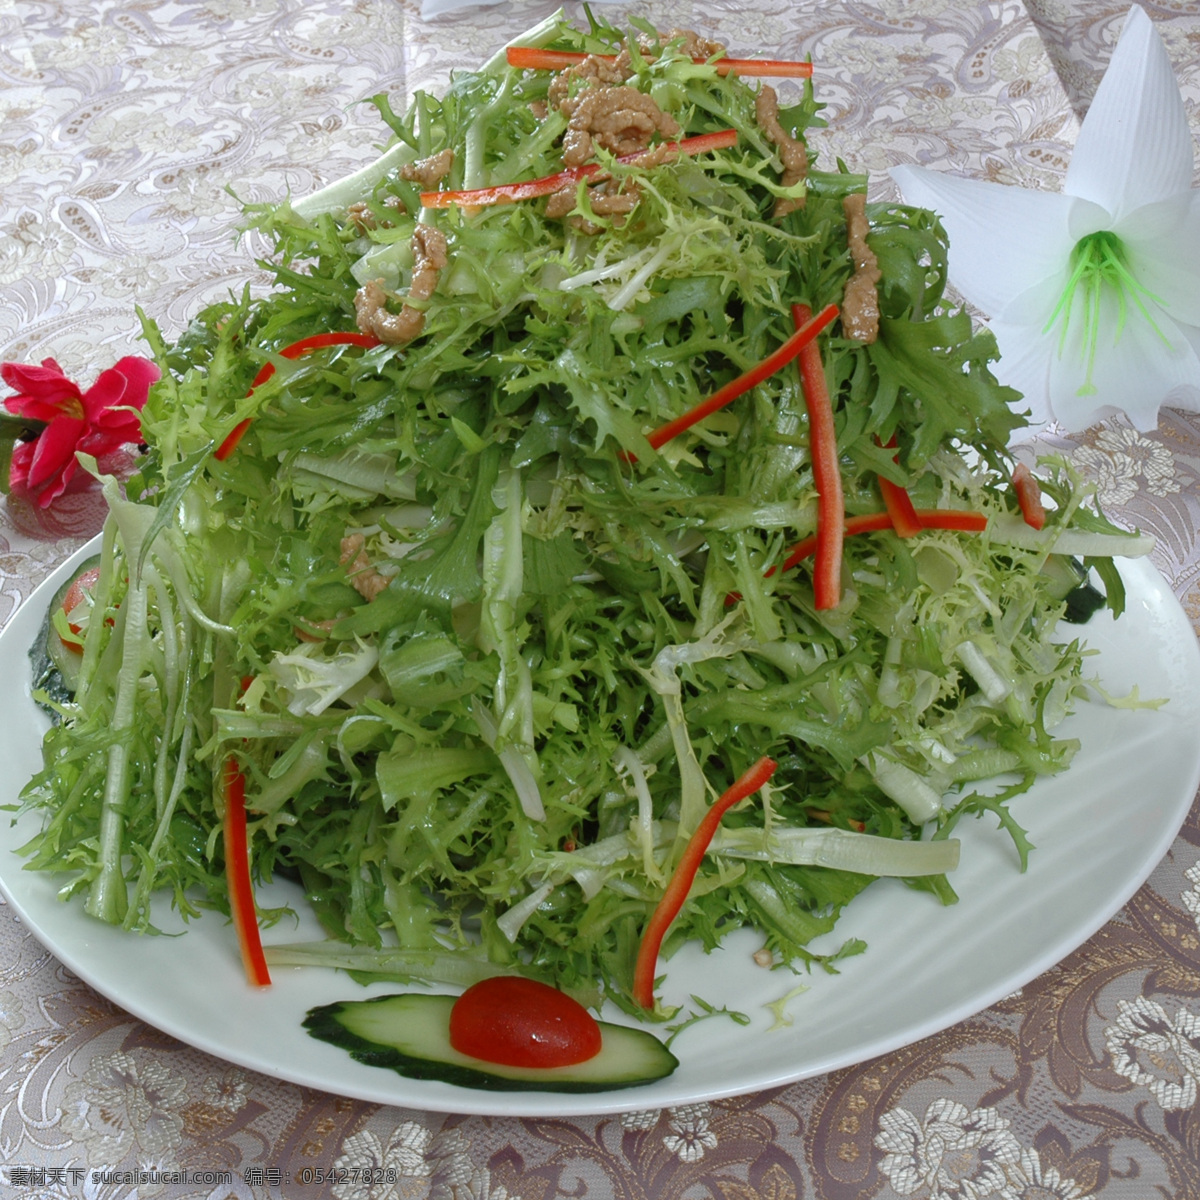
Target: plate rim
392	1089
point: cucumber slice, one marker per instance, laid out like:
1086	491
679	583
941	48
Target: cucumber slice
1069	582
1083	603
1063	574
410	1033
55	668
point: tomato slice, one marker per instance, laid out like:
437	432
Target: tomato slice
76	599
522	1023
81	587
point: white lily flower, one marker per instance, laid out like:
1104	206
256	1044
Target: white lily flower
1093	294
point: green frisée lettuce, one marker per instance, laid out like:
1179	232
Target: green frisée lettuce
482	655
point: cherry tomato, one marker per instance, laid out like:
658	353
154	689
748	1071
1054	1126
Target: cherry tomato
522	1023
79	590
77	593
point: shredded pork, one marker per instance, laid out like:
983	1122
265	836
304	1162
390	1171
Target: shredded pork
429	257
621	120
792	152
370	301
608	199
362	216
694	45
593	71
365	580
603	113
429	172
860	301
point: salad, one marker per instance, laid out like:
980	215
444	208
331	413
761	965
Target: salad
597	454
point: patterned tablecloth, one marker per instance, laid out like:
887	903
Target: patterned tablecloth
121	124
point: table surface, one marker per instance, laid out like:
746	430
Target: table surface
121	124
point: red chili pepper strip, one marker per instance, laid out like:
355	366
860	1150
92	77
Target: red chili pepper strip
963	520
318	341
1029	496
684	875
904	517
827	475
743	383
898	503
870	523
237	876
510	193
531	189
229	445
533	58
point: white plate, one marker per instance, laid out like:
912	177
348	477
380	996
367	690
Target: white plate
1099	830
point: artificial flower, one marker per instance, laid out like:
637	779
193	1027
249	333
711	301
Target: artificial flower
97	422
1094	292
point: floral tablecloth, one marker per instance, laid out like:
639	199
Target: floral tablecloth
121	125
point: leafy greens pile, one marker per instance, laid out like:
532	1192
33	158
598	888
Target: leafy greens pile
493	764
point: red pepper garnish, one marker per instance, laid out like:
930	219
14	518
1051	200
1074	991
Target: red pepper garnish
531	189
684	875
237	875
317	341
818	814
743	383
1029	496
533	58
963	520
898	503
827	475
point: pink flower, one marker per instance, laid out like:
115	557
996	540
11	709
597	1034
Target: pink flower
97	422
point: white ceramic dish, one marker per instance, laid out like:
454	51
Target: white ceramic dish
1099	829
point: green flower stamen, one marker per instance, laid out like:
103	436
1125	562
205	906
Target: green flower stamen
1099	261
